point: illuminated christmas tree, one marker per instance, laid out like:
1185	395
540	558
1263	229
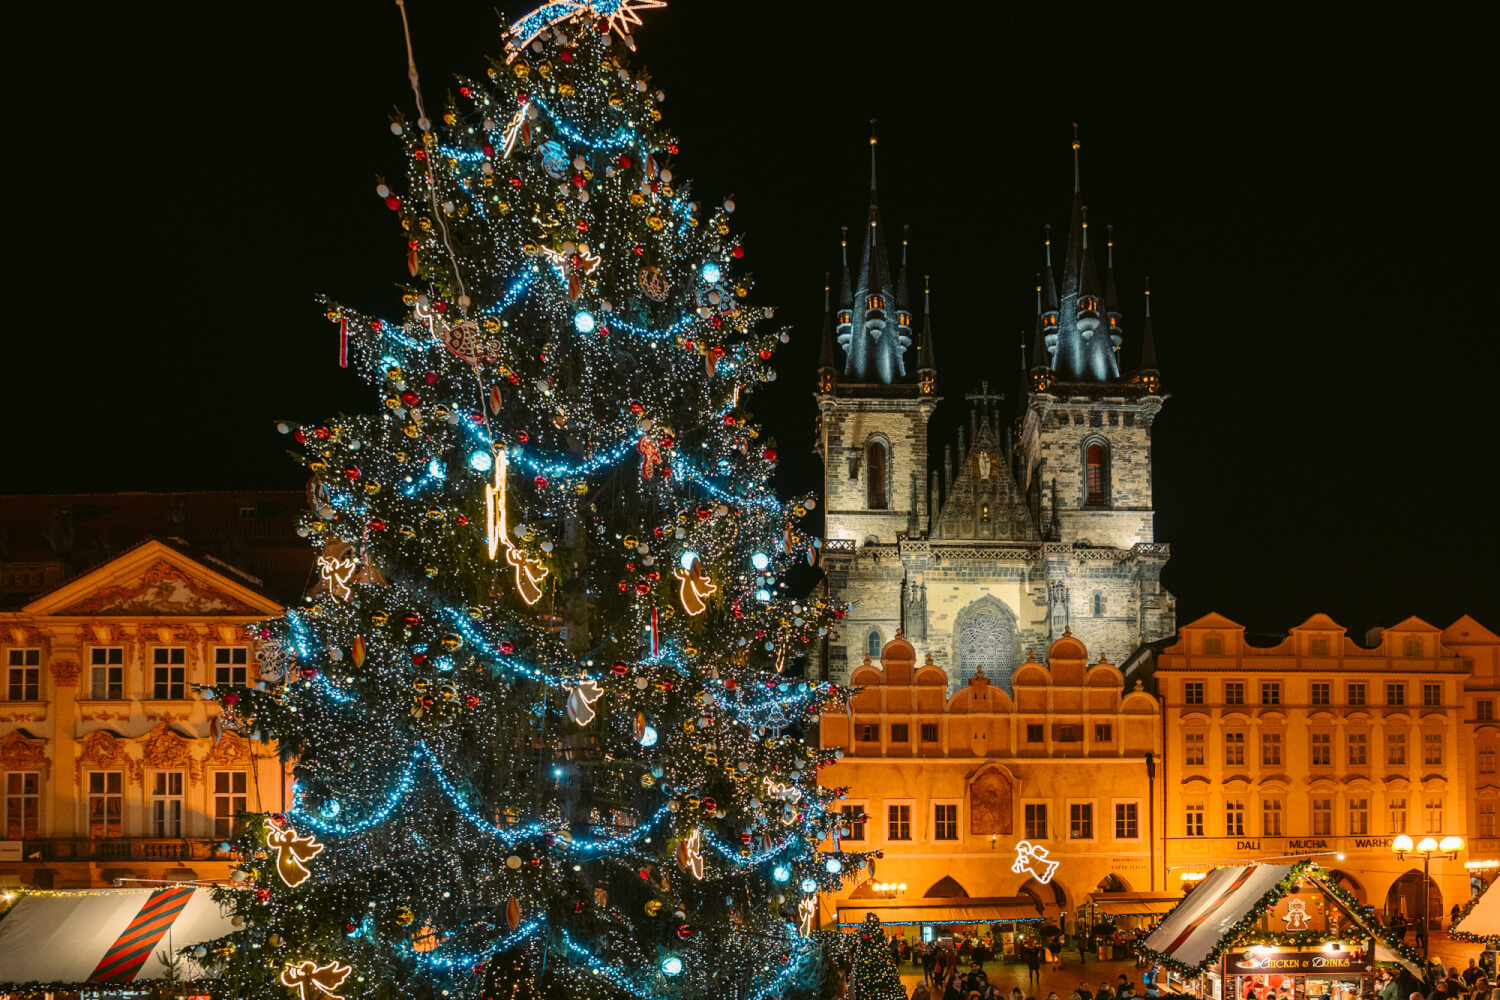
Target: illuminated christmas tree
872	968
536	702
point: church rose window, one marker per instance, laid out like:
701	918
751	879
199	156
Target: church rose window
984	640
875	476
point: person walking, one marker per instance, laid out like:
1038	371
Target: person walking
1033	965
929	959
1083	949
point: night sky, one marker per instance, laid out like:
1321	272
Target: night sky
1312	199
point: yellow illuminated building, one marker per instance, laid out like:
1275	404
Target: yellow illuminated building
1317	745
993	804
112	766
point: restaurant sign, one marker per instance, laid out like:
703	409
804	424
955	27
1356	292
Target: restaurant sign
1299	963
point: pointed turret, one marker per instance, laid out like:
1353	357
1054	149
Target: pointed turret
1081	354
1149	375
926	357
827	374
846	315
1046	338
903	298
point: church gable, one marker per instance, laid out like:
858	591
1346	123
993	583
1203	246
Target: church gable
153	580
983	502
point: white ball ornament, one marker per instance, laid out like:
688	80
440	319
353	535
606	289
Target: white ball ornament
729	205
666	176
396	128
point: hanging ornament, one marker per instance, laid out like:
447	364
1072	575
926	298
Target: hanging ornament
357	651
695	585
292	852
581	701
530	572
272	658
513	913
654	284
324	979
554	159
650	455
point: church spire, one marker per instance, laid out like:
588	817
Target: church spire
827	374
1149	376
903	299
1082	354
926	358
1112	301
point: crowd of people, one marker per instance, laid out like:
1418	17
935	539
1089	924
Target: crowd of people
953	969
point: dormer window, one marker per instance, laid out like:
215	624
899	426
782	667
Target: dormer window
904	319
844	317
874	302
1088	304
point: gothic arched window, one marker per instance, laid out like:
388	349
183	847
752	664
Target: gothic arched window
873	644
877	497
1096	474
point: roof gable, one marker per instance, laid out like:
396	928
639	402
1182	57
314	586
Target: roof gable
1212	620
1466	629
153	579
1413	624
1322	623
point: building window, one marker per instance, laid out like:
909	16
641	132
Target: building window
1035	732
1317	647
1270	692
1192	693
984	515
1359	749
1080	821
876	497
873	644
1096	475
22	799
1192	749
854	822
929	732
229	801
106	673
1234	749
1322	817
1127	821
1104	732
1234	817
1395	694
1484	710
1432	695
1412	647
1270	749
945	821
1322	693
869	732
1213	645
1395	748
170	672
1098	604
1432	748
1359	816
900	732
1486	817
229	665
898	822
1234	692
1356	694
1433	813
1193	812
1322	749
106	803
1065	734
1395	814
1270	817
166	804
1486	760
1036	820
25	674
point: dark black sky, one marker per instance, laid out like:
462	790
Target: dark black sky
1312	194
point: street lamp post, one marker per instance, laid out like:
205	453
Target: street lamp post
1427	847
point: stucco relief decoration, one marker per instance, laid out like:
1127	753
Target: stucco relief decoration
102	748
64	672
231	748
19	752
165	748
990	804
164	590
25	635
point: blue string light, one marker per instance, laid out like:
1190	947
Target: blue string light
468	960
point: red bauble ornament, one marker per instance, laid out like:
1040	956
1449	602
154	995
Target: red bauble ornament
278	819
624	161
412	619
507	647
672	148
231	699
431	378
765	354
769	454
541	482
737	252
393	203
620	668
566	55
419	153
262	894
472	700
684	932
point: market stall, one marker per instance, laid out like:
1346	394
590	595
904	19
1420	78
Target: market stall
1481	923
1270	932
1008	917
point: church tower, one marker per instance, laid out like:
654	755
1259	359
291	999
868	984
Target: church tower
1018	531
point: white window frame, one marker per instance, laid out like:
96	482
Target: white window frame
1243	808
1329	820
231	665
1114	815
166	807
23	797
913	819
1093	806
90	795
958	820
1362	802
1433	809
1427	744
158	664
1047	817
1279	812
102	652
221	833
1396	814
1393	740
15	663
1195	810
1200	742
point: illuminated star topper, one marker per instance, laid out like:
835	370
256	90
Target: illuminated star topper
619	14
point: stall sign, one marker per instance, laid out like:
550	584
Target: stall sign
1299	963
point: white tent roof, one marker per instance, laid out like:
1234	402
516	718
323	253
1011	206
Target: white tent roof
1190	932
1484	919
64	937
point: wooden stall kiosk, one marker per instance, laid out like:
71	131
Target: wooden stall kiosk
1481	923
1269	932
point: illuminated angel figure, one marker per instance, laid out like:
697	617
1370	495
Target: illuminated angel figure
695	585
530	572
324	979
1030	858
292	853
691	857
619	14
336	573
806	910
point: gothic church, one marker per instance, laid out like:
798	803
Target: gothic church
1035	527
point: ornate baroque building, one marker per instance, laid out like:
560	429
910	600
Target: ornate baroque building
1003	801
112	766
1033	527
1319	745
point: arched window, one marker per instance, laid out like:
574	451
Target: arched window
877	497
873	644
1098	604
1096	475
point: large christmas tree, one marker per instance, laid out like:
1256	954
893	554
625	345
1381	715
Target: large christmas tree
543	703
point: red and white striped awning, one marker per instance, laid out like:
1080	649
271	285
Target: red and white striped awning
104	935
1190	932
